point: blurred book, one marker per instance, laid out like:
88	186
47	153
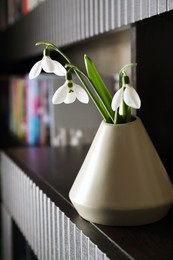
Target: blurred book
28	113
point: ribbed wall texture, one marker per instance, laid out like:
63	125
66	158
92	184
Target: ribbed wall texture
50	233
65	22
6	234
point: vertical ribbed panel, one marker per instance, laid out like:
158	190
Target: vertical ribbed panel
49	232
162	6
169	5
41	226
65	22
6	234
152	7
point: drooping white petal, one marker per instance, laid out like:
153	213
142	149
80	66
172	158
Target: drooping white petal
58	68
81	94
121	108
70	98
117	98
131	97
53	66
47	64
35	70
60	94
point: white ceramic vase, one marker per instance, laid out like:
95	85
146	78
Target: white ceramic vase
122	180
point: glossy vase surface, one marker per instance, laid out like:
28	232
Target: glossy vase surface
122	180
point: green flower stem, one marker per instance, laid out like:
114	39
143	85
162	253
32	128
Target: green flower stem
117	117
129	114
53	46
124	111
103	108
123	81
93	98
127	66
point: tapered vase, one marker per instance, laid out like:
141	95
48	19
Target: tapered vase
122	180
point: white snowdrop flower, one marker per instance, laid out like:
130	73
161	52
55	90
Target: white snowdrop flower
48	65
129	95
68	93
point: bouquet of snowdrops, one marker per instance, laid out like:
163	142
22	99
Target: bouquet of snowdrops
114	110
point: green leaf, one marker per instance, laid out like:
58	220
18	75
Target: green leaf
99	86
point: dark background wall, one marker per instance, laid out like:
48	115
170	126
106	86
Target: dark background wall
154	55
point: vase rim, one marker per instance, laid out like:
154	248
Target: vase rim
136	118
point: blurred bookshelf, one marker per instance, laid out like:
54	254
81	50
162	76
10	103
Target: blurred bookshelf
30	118
87	20
13	10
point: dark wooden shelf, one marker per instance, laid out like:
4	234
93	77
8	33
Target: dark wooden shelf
54	170
8	140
